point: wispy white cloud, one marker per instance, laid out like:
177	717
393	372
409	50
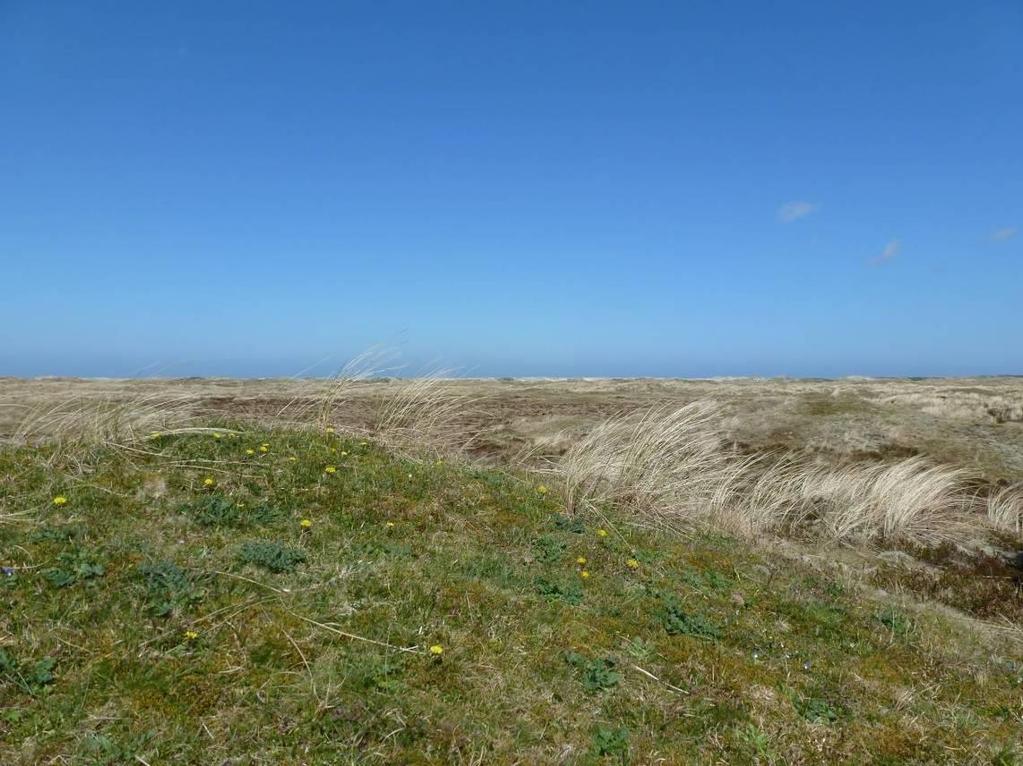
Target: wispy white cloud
891	250
1003	235
793	211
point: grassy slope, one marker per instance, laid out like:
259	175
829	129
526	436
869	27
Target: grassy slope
707	652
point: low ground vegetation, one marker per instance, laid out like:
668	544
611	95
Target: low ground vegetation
204	600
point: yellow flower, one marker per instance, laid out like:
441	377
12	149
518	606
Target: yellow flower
306	523
601	533
436	650
390	525
330	429
264	448
632	564
250	452
581	560
542	489
344	454
191	635
330	469
60	500
217	435
208	481
584	574
293	459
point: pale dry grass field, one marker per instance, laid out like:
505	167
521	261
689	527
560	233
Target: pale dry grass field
853	460
975	423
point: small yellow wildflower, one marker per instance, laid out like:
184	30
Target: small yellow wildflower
436	650
60	500
306	523
581	560
632	564
344	454
264	448
250	452
330	429
584	574
542	489
293	459
208	481
191	635
601	533
390	525
330	469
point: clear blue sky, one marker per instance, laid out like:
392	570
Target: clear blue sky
512	188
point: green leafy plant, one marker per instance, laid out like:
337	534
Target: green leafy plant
30	678
708	580
75	567
271	556
895	621
639	649
678	622
567	523
168	586
571	593
611	742
755	740
64	533
549	549
817	710
597	674
218	511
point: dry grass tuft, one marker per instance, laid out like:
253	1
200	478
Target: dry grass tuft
673	464
421	413
106	421
910	501
662	461
1005	510
424	412
417	414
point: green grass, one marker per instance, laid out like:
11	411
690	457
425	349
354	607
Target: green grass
154	619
